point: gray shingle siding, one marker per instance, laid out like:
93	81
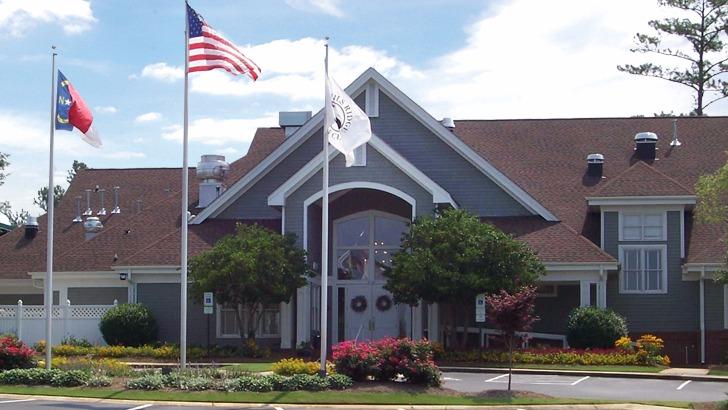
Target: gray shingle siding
467	185
677	310
97	296
378	169
714	305
253	204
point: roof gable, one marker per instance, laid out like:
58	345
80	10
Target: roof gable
354	89
642	180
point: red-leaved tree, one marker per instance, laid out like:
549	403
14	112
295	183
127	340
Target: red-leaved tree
511	313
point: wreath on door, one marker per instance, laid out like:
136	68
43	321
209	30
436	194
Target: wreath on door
384	303
359	304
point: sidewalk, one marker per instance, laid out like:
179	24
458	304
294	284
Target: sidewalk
673	374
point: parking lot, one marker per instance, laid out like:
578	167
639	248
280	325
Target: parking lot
628	389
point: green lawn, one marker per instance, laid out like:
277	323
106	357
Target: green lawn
630	369
718	372
331	397
251	367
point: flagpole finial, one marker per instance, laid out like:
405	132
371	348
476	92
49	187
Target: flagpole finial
54	50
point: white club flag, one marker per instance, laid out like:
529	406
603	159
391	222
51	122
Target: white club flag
347	126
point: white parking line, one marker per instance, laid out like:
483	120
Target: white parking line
496	378
580	380
278	408
143	406
685	383
15	401
450	379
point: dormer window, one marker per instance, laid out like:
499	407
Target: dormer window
642	226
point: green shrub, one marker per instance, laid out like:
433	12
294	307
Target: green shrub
291	366
593	327
14	354
128	324
198	383
28	376
276	381
74	341
254	384
70	378
98	380
147	382
305	382
339	382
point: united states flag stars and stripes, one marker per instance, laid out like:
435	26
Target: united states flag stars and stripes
208	50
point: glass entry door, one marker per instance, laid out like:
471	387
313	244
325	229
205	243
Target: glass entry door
364	244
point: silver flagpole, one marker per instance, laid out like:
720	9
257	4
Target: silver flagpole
49	205
185	194
325	228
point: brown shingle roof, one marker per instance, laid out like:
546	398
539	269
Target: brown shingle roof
124	234
547	158
642	180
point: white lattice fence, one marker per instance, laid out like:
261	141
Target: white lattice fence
28	322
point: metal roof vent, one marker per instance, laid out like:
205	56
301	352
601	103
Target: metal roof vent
88	211
116	209
78	218
448	123
675	142
211	172
646	145
595	165
31	227
91	226
102	211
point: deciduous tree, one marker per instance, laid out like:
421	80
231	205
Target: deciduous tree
701	63
511	313
250	269
712	207
452	257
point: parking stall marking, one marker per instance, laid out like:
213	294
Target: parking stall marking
496	378
16	401
143	406
579	381
685	383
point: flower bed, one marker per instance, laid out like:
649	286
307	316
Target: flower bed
387	359
15	354
164	352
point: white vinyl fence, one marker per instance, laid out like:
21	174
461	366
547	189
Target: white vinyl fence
28	322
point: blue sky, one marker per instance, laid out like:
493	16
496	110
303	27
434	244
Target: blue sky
459	58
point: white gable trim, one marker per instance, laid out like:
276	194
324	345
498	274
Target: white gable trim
439	194
641	200
354	89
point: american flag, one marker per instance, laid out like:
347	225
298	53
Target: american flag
208	50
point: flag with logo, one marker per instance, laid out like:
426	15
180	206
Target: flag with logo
72	111
347	126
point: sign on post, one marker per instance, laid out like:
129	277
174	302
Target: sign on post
207	303
480	308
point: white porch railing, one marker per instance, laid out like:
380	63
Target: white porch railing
485	335
28	322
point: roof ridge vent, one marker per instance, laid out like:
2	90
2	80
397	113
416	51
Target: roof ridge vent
92	226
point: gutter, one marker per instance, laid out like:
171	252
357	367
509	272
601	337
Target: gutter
702	316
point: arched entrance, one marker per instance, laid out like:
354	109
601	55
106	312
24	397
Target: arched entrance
363	246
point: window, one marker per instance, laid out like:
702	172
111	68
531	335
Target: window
547	291
227	325
643	269
270	322
642	226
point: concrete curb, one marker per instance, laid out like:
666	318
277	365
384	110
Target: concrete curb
621	375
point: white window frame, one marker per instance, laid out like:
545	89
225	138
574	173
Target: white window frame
218	325
259	332
643	248
642	215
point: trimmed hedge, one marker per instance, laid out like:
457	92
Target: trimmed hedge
54	377
256	384
583	357
593	327
128	324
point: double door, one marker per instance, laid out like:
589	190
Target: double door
371	314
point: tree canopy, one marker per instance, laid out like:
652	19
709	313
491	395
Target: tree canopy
3	164
712	207
700	65
41	198
252	268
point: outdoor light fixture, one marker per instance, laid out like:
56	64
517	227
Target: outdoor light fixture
123	275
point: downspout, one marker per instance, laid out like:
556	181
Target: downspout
702	315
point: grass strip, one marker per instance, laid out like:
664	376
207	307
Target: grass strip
250	367
625	369
302	397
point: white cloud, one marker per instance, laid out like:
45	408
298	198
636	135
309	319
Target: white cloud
214	131
19	16
330	7
138	140
106	109
161	72
148	117
123	155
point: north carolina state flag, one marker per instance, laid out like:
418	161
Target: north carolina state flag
72	111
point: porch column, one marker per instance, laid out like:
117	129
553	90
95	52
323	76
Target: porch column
433	322
602	293
417	322
286	324
584	293
303	313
